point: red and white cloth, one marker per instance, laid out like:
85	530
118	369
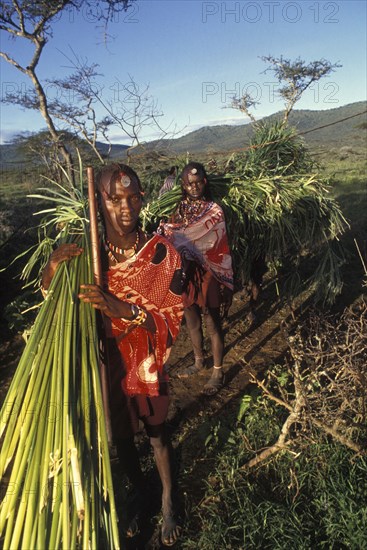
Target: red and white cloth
203	241
152	280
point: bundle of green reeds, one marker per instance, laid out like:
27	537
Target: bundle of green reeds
277	209
55	464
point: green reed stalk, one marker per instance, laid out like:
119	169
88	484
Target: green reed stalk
59	483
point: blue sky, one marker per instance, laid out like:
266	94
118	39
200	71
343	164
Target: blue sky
195	55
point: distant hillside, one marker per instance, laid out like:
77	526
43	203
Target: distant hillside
228	138
116	150
11	157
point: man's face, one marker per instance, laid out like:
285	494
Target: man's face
121	205
194	186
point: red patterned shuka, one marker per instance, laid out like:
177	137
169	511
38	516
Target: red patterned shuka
151	280
201	241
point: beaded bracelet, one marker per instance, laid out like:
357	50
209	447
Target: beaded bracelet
140	318
139	315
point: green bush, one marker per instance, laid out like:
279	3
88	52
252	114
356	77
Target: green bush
315	498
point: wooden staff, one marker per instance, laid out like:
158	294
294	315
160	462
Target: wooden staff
98	280
96	256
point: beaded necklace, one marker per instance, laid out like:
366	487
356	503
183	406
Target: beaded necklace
189	210
112	249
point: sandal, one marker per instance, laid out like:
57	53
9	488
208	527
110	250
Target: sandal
214	384
196	368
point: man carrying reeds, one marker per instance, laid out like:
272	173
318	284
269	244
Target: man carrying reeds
142	306
198	231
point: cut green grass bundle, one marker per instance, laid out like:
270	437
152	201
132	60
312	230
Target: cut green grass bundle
277	208
55	464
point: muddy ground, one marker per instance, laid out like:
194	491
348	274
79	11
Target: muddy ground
257	343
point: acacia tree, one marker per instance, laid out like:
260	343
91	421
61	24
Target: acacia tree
36	147
294	78
76	114
32	20
132	109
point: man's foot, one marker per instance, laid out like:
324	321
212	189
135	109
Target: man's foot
170	530
133	527
215	382
196	368
135	506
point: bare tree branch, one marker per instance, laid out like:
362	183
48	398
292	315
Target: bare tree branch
328	388
32	20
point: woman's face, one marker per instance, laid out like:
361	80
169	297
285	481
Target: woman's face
194	186
121	205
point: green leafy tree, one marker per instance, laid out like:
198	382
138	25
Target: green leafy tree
294	78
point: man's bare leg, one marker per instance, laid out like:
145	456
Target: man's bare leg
130	465
162	455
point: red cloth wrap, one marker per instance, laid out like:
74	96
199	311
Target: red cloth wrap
203	243
148	285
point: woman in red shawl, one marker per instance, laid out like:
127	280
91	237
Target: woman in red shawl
142	305
198	232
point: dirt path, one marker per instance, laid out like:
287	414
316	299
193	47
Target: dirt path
255	344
